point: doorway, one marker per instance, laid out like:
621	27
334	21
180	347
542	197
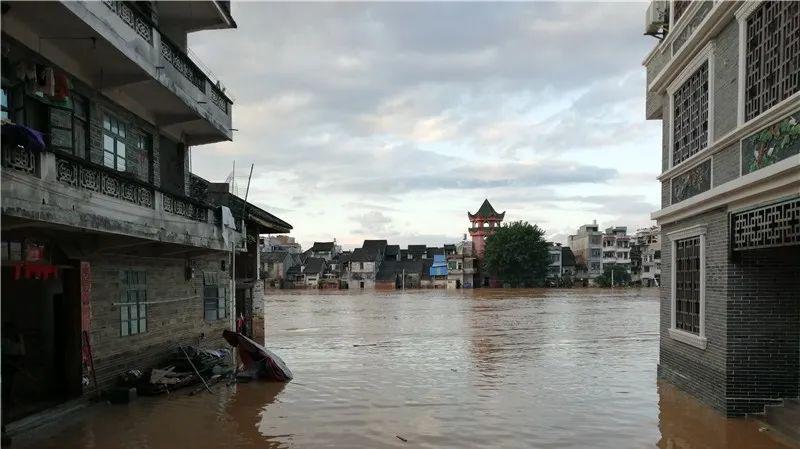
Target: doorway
41	358
244	309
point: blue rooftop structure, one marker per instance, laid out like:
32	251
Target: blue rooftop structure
439	267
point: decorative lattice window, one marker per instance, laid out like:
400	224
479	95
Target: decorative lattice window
772	56
690	116
687	285
679	7
769	226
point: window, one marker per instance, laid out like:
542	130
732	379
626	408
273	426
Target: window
5	105
113	143
597	252
595	266
688	286
646	269
215	302
690	116
80	128
679	7
133	308
361	265
772	56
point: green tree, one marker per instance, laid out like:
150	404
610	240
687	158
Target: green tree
517	253
621	276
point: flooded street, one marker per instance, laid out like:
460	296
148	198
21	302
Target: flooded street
483	368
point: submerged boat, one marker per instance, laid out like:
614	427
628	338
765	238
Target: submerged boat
258	362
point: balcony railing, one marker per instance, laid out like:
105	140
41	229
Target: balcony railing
184	208
198	188
136	20
183	64
77	173
22	159
170	51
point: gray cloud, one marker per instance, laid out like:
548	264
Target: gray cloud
344	103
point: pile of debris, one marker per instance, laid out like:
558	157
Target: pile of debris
186	366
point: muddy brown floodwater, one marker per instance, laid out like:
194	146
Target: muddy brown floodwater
458	369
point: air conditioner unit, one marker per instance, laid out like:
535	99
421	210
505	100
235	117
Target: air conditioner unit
657	17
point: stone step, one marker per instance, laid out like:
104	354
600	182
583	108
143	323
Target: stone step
785	418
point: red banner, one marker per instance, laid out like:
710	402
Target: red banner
86	295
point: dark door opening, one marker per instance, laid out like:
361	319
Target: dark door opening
41	353
244	310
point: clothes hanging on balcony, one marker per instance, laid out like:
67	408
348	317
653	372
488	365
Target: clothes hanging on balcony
28	138
61	87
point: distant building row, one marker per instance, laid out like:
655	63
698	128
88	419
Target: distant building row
595	251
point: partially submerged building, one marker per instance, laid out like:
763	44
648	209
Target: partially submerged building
113	252
724	82
587	246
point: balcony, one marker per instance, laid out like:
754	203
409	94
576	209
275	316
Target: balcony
46	189
116	50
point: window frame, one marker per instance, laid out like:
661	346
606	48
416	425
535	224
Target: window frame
697	340
706	55
127	306
116	138
742	14
7	109
220	297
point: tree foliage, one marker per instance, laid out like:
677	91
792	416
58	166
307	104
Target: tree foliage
517	253
621	276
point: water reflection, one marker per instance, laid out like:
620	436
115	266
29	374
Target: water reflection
466	369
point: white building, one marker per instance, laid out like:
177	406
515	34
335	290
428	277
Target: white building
617	247
648	242
587	246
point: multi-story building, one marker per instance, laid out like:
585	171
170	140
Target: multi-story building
270	243
724	82
554	268
587	246
364	265
113	251
325	250
617	247
461	266
646	263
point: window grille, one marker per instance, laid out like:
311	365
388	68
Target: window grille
687	285
768	226
772	56
690	116
680	7
133	314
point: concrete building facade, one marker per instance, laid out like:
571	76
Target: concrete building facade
587	246
724	83
113	252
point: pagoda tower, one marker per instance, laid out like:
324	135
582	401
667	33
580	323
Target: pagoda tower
484	223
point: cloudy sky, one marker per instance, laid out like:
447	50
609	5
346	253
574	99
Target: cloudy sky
381	120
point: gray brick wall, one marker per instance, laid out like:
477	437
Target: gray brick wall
726	165
168	324
667	116
665	193
726	79
701	372
763	329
